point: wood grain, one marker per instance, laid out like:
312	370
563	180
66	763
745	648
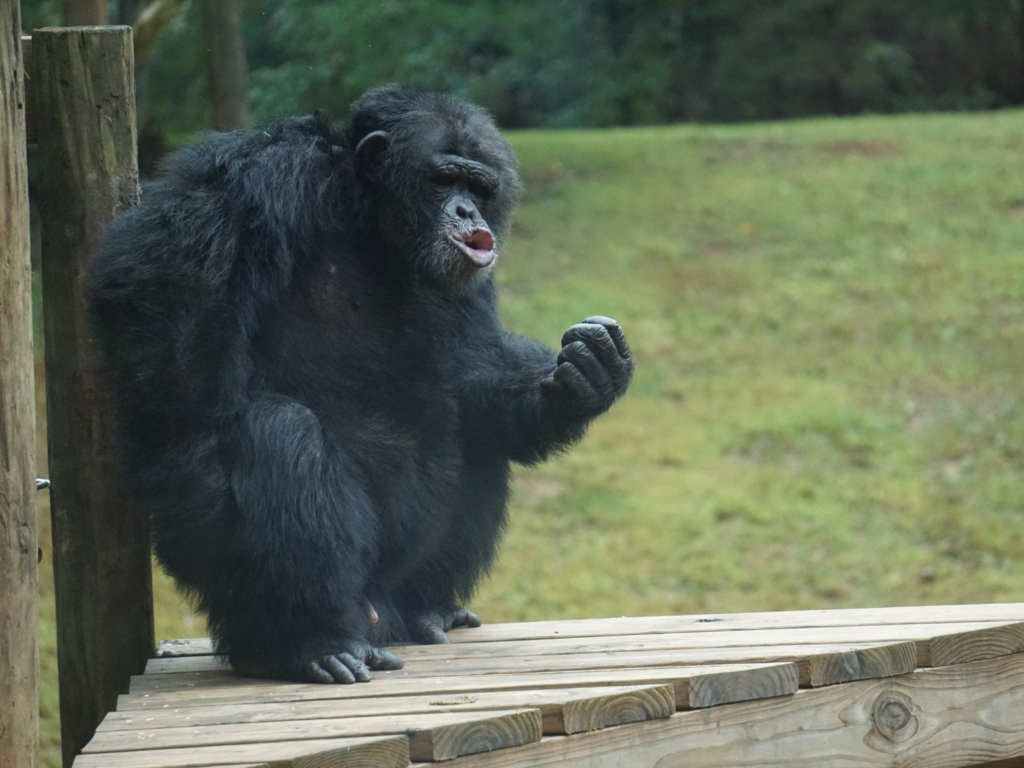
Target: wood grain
562	710
636	706
859	664
960	647
245	690
957	716
764	682
475	736
102	570
19	585
375	751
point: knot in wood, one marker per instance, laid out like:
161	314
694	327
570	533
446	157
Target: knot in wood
893	715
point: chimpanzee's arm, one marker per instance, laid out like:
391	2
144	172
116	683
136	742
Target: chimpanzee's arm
521	400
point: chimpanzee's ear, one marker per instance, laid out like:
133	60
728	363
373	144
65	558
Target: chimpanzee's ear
370	155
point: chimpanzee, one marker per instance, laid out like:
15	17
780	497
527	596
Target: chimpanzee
317	404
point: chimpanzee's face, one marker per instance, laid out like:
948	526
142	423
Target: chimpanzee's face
444	191
463	248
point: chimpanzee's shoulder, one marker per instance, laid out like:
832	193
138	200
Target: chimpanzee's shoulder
276	150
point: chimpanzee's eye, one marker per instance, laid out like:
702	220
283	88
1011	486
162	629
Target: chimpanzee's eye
445	176
476	178
483	188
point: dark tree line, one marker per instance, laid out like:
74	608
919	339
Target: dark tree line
606	62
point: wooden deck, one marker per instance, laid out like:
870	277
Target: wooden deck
925	686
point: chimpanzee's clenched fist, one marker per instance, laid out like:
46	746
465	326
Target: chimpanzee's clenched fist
594	367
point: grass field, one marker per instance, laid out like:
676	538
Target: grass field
828	321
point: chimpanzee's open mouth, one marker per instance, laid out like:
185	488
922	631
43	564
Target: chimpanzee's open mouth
478	245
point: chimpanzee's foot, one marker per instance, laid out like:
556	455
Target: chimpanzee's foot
348	661
352	662
429	626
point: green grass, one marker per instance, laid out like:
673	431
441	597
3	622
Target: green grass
828	320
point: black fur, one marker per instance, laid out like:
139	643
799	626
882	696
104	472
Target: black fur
317	404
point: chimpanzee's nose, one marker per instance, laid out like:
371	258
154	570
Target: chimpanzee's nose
465	211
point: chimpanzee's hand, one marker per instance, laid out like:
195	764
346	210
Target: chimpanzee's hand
428	627
594	367
351	662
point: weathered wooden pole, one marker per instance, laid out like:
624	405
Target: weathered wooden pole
85	102
82	12
19	586
30	91
227	70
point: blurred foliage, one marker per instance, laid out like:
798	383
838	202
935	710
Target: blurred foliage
558	63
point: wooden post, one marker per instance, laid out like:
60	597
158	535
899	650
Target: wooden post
30	90
79	13
226	70
19	586
85	101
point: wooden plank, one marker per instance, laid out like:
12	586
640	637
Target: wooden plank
161	665
562	711
818	665
376	751
187	667
944	717
471	738
760	639
748	638
102	569
19	583
742	685
596	712
439	736
289	729
198	683
767	679
858	664
900	616
975	645
196	646
578	628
